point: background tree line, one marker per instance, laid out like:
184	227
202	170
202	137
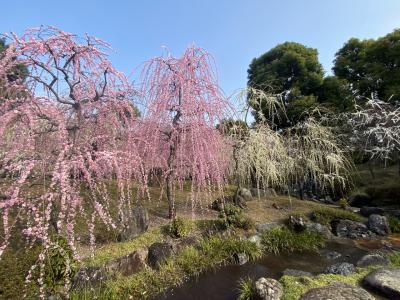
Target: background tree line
363	69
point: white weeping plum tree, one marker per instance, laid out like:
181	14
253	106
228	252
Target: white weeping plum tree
259	155
376	127
319	159
305	154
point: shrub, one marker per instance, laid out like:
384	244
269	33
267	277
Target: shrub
246	289
284	239
394	224
233	216
343	202
327	215
178	227
60	264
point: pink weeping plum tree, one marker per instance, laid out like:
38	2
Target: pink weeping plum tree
66	129
183	106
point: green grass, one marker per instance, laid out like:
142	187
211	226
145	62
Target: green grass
325	215
394	259
294	287
113	250
394	224
190	262
246	289
283	239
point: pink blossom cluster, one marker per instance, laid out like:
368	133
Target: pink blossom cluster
183	105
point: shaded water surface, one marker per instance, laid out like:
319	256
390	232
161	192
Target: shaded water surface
222	282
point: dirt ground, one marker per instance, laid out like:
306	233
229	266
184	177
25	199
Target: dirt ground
261	210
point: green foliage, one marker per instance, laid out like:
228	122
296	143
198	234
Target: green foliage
343	202
178	227
325	215
371	66
394	259
233	216
290	69
283	239
60	264
246	289
394	224
299	108
212	252
20	71
336	93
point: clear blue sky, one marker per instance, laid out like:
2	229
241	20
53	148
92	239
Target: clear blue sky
233	31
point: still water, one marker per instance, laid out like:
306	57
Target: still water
222	283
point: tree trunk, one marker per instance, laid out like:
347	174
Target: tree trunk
300	186
174	138
170	178
236	159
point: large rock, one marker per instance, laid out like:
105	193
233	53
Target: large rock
367	211
372	260
297	223
242	196
360	200
350	229
134	223
158	253
321	229
378	224
245	194
385	281
343	268
268	289
337	291
296	273
129	264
